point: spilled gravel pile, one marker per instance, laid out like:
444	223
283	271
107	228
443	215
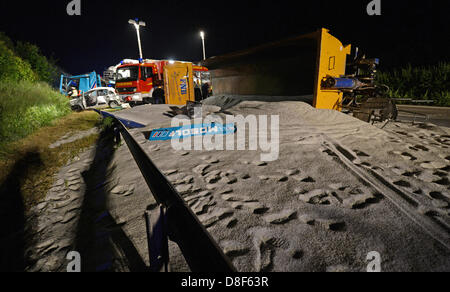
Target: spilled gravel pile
340	189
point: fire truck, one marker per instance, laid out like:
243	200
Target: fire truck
161	81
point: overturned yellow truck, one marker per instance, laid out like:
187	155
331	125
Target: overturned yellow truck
314	64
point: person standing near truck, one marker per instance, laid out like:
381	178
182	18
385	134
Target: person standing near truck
73	92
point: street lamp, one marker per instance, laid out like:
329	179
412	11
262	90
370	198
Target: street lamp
202	35
137	24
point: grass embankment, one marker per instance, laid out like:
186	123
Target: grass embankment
38	175
33	115
27	106
420	83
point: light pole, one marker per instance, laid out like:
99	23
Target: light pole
202	35
137	24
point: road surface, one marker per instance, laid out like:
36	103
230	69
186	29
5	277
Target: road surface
426	114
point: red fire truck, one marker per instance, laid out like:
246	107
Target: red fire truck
145	82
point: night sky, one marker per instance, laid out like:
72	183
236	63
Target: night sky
414	32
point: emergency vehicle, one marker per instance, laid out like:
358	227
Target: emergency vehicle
161	81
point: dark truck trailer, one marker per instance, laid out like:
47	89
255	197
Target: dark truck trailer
313	64
291	67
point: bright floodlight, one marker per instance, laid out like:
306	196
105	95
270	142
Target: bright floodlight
137	23
202	34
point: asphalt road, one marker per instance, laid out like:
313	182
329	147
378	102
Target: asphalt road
430	114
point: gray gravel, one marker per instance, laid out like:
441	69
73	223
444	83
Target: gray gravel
302	212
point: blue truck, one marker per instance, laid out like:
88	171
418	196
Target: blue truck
74	86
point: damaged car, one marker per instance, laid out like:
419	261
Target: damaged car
102	97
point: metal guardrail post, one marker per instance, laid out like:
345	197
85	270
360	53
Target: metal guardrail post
157	240
201	252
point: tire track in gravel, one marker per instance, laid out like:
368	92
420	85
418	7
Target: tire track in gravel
403	201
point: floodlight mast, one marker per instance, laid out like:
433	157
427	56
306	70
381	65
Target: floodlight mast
137	24
202	36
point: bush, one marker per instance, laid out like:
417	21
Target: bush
43	67
7	41
26	106
420	83
13	68
27	102
24	61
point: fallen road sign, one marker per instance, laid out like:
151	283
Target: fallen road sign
189	131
